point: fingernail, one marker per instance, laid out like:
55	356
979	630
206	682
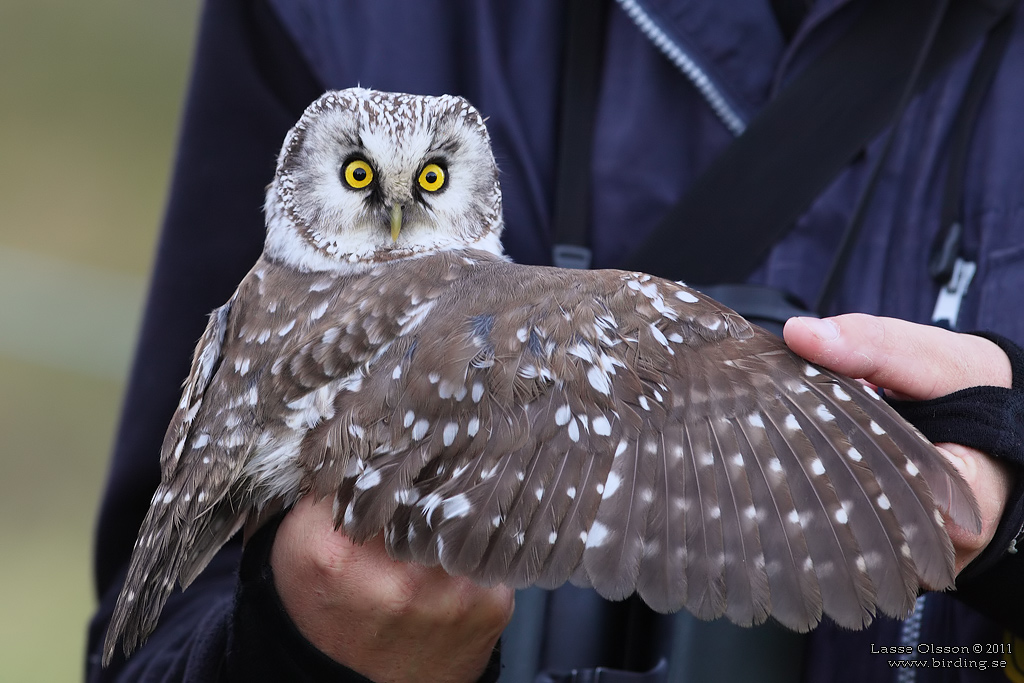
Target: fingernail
825	330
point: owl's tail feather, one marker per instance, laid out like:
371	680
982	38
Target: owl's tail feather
156	561
172	546
211	537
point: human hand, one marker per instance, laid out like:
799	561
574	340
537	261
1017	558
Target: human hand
919	362
387	620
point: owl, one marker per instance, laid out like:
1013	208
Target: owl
519	424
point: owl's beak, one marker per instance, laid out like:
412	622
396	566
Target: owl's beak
396	221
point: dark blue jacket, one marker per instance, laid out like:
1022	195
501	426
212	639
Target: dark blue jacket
681	78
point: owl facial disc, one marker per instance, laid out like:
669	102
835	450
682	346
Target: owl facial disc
367	177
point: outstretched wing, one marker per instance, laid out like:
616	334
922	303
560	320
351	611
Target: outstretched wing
623	431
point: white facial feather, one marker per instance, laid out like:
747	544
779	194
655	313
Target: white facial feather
316	221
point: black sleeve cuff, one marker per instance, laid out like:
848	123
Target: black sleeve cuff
266	645
991	420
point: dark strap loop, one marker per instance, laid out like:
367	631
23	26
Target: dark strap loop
766	307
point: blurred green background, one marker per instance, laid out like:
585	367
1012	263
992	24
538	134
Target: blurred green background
90	97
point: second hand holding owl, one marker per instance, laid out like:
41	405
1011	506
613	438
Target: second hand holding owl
452	625
919	362
387	620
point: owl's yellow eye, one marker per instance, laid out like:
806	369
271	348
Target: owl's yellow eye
432	178
358	174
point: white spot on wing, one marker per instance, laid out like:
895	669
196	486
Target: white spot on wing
368	479
574	430
611	485
451	430
597	536
414	317
598	379
660	337
457	506
317	311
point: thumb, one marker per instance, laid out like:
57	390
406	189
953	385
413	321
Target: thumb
913	361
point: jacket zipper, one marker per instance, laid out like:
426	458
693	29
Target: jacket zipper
686	64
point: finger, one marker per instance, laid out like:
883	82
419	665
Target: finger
991	481
914	361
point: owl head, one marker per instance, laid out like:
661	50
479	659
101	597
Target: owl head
366	177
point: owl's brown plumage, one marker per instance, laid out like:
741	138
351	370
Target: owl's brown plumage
527	425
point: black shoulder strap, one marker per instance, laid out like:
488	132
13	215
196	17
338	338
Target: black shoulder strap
581	83
754	191
945	248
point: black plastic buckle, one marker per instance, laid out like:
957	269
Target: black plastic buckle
572	256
